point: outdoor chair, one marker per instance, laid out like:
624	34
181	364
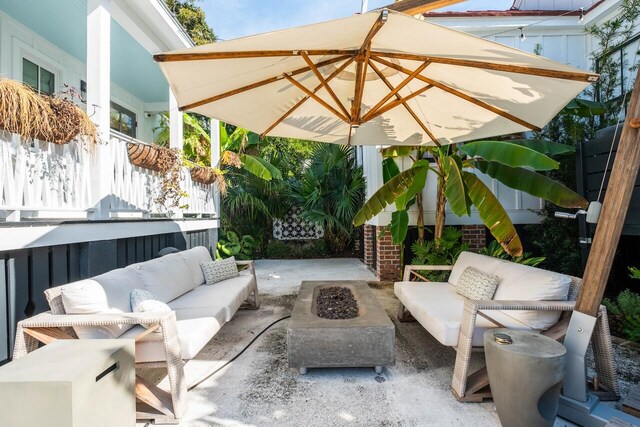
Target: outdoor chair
460	322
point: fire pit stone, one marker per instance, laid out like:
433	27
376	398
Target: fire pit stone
367	340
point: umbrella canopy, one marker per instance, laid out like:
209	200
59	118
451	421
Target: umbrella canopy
372	79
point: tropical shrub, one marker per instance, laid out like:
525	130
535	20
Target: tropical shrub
515	163
440	251
625	311
330	192
494	250
232	245
278	249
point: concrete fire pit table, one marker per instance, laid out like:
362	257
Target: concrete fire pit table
367	340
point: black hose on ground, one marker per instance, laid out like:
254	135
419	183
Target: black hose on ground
237	355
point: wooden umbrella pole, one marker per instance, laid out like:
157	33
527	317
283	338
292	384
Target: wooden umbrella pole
614	210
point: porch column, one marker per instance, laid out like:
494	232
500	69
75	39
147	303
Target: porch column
98	100
215	159
176	136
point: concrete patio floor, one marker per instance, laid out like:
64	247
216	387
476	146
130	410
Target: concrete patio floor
258	389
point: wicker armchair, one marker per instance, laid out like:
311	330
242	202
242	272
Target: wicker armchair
475	387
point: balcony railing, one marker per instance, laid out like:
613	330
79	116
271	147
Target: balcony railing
40	180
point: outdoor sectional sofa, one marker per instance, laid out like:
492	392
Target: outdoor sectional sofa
99	307
526	298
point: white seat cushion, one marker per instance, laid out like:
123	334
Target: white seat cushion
194	334
166	277
193	258
439	309
228	294
521	282
106	293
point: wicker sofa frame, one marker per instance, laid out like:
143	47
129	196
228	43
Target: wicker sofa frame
474	387
154	403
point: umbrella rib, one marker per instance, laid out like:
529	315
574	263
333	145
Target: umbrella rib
396	90
316	98
203	56
459	94
362	58
510	68
406	106
258	84
324	83
302	101
394	104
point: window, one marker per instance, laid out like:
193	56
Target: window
123	120
40	79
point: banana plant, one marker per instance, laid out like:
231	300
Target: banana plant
515	163
234	147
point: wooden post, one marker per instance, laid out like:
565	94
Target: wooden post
614	210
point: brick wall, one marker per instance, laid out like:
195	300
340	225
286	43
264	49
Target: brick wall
369	241
387	257
475	236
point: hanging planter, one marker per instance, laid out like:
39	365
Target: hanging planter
152	157
204	175
46	118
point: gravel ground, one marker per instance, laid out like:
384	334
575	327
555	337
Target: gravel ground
258	389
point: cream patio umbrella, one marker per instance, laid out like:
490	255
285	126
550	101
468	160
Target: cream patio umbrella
372	79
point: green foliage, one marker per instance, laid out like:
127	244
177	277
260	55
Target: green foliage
232	245
634	273
192	19
330	192
197	140
626	311
278	249
443	251
495	250
514	163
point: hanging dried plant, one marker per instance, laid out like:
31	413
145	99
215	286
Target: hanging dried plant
170	166
229	158
34	116
207	175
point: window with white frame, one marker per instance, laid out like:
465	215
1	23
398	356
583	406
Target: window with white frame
38	78
123	120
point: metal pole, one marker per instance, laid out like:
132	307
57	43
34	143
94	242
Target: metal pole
365	6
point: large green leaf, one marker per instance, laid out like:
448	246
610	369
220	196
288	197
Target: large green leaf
493	214
583	108
386	194
509	154
257	167
532	183
397	151
545	147
389	169
420	179
275	172
399	226
455	190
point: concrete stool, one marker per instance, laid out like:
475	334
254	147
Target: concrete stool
526	371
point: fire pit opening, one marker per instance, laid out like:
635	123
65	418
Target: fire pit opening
336	302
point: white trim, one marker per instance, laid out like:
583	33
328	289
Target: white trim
15	238
22	50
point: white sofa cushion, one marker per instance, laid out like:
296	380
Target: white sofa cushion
228	294
521	282
439	309
476	285
194	334
192	258
483	263
106	293
143	301
166	277
201	253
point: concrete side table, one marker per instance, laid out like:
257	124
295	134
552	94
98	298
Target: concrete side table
71	383
526	371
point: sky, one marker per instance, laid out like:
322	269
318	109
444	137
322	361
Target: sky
237	18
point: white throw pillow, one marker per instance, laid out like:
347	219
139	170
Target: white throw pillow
476	285
143	301
219	270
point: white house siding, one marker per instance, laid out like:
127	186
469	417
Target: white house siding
17	42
